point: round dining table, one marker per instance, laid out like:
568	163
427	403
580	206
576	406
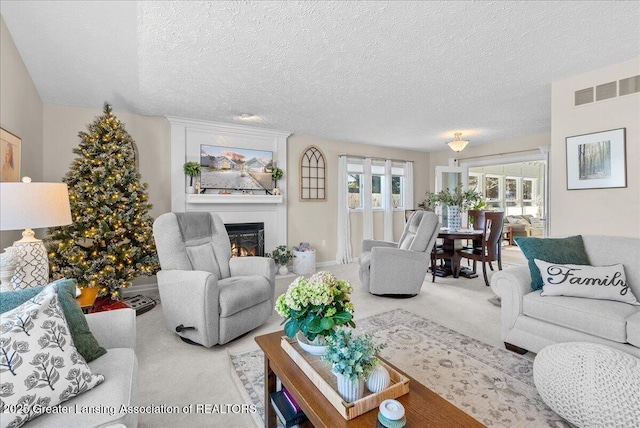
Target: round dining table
452	242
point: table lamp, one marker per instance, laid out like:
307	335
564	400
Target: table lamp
30	206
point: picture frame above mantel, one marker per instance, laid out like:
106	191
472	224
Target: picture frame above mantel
597	160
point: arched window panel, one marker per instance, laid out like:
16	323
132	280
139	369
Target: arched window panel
313	170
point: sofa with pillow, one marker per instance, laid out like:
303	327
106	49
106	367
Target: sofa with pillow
532	320
524	225
59	340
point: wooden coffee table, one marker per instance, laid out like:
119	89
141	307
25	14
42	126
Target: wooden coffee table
423	407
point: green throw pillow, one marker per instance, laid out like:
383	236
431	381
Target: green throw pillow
552	250
83	339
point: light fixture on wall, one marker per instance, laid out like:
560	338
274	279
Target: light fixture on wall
458	144
30	206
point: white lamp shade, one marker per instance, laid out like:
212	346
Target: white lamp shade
458	145
33	205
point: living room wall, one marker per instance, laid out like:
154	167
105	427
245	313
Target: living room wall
20	114
613	211
315	222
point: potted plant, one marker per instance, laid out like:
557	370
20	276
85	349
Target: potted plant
456	200
352	358
281	255
276	174
312	308
191	169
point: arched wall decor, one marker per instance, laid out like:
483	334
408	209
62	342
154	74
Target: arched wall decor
313	173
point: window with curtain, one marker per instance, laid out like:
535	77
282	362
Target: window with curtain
354	184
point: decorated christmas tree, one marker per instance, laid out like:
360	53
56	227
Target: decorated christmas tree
110	241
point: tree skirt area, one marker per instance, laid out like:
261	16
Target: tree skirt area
491	384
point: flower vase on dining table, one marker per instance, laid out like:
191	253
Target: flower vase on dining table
453	217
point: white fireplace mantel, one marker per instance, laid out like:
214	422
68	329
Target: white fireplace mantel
186	137
234	199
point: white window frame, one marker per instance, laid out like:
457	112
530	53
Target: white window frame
354	167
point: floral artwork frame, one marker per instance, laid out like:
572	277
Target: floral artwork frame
597	160
11	149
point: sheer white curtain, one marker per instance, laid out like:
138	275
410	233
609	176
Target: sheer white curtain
407	187
367	211
344	229
387	202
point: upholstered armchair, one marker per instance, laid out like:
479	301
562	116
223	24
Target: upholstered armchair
399	268
207	296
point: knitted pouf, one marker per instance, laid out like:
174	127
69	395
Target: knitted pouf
589	385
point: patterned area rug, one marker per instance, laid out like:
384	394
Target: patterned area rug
493	385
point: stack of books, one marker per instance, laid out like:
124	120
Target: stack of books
287	409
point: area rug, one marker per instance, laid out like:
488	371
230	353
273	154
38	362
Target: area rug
491	384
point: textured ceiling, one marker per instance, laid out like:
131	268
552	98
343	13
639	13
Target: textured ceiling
405	74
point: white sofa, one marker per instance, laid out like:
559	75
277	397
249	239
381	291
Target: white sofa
531	321
116	332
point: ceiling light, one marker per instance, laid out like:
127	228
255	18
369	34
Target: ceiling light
457	145
248	117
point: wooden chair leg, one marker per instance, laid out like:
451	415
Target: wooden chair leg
484	273
433	268
490	265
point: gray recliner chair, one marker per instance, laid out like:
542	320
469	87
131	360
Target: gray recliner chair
207	296
399	268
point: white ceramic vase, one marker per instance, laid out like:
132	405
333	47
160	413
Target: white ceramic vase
283	270
350	390
191	190
317	346
378	380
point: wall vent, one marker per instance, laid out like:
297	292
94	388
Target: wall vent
584	96
606	91
630	85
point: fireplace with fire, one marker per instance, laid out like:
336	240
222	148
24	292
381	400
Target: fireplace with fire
247	239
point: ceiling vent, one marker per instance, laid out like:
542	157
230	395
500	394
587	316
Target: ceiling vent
630	85
584	96
606	91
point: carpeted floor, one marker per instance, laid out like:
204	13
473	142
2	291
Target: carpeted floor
491	384
173	373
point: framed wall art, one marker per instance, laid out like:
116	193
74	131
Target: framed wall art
10	146
597	160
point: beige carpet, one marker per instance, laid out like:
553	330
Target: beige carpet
491	384
177	374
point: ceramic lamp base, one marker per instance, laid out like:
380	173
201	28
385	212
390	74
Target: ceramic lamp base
33	269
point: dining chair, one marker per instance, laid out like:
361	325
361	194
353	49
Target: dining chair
491	249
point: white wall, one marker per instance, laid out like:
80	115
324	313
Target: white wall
20	114
599	211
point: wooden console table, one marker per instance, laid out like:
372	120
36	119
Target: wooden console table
423	407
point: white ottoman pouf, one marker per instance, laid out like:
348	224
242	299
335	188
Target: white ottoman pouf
589	385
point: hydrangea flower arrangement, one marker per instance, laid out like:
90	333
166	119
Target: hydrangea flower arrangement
352	356
316	305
